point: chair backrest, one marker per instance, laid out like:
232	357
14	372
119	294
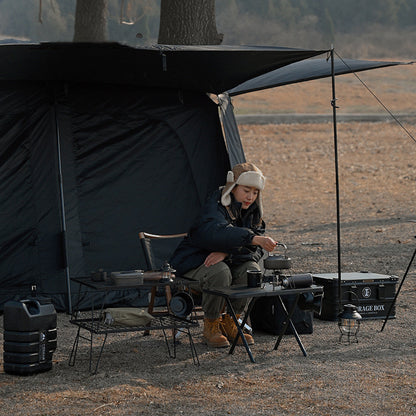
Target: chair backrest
146	243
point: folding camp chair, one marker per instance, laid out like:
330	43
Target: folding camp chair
147	240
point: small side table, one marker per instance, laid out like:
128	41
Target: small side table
239	292
91	321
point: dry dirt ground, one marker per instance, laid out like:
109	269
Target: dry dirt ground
376	376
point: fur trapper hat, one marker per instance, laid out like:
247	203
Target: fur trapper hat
245	174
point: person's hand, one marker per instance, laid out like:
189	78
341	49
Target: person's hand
264	242
214	258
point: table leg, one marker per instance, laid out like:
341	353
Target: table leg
99	355
74	350
289	322
240	333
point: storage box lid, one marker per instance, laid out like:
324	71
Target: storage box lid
356	277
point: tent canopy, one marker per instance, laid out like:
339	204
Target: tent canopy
209	69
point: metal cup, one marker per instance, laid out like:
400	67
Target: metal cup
254	278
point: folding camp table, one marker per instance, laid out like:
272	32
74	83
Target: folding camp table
92	320
268	289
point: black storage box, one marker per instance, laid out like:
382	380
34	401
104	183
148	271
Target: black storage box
268	316
371	293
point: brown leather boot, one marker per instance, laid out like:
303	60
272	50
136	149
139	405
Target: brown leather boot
212	334
229	329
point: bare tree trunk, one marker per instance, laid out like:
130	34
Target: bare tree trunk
90	21
188	22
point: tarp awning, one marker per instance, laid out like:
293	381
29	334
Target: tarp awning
307	71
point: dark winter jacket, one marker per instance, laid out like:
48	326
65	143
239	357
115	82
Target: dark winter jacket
224	229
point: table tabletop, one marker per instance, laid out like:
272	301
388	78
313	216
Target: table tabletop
149	281
267	289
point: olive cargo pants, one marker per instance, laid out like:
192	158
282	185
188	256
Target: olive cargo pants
216	276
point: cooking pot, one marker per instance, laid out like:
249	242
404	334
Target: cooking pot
278	261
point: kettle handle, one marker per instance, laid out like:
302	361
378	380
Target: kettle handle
279	244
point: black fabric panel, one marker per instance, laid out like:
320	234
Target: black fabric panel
30	236
199	131
232	135
145	161
132	160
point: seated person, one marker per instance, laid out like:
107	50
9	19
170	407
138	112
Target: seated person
223	243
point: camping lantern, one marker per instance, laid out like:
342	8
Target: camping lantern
349	322
167	273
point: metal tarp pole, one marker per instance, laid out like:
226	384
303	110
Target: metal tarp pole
398	291
63	217
334	116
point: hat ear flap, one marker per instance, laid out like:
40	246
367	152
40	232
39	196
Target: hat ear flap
230	176
226	199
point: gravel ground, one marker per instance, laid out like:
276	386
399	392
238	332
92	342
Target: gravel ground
375	376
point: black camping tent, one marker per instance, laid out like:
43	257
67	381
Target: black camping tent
101	141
